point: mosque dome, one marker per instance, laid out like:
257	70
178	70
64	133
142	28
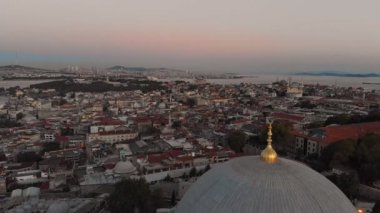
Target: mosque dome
249	184
162	105
59	207
16	193
124	167
263	183
31	192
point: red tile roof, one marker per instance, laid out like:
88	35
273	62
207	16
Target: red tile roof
157	158
287	116
332	134
174	153
61	138
184	158
352	131
109	121
143	120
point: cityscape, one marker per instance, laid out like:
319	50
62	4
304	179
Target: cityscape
207	119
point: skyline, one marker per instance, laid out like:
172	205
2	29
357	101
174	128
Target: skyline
244	36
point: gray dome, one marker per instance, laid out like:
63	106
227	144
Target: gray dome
248	184
16	193
31	192
124	167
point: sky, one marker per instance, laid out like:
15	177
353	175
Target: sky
244	36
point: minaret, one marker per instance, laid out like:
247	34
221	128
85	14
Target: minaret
269	155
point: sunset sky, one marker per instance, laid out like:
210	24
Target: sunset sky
247	36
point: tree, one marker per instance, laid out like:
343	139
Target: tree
306	104
168	178
176	124
28	157
131	195
338	119
156	200
316	124
173	199
3	157
19	116
7	123
106	106
67	131
347	183
236	140
367	158
338	153
193	172
206	168
51	146
282	137
368	173
191	102
150	130
376	208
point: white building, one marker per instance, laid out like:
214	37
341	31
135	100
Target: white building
112	136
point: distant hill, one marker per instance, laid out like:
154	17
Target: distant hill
338	74
21	68
140	69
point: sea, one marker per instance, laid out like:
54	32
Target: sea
257	79
21	83
321	80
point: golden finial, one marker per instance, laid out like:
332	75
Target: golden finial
269	155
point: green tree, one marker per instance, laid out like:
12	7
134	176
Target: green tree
67	131
367	158
28	157
236	140
191	102
282	137
306	104
173	199
131	195
376	208
156	200
168	178
338	119
368	173
3	157
193	172
19	116
338	153
150	130
316	124
176	124
106	106
51	146
7	123
206	168
347	183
